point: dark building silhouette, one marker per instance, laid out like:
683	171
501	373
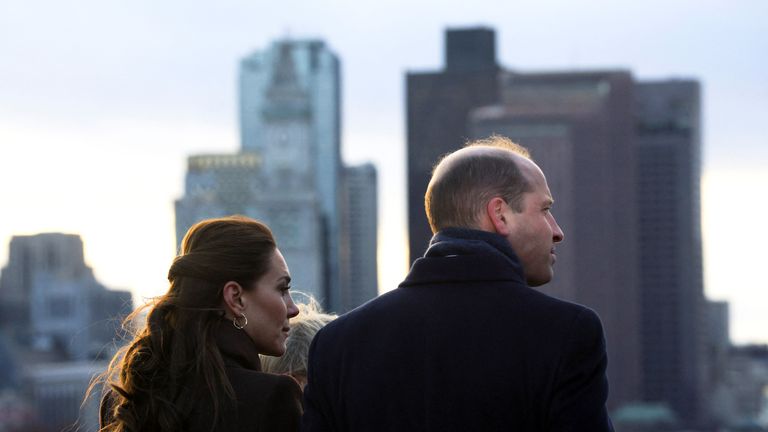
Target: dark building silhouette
470	50
437	107
668	136
359	219
578	127
623	162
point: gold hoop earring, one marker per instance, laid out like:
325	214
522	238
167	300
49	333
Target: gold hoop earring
236	323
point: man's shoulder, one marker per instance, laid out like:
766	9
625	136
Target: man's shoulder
371	319
568	310
365	313
402	301
565	317
539	295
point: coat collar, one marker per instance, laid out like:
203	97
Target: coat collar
466	255
236	346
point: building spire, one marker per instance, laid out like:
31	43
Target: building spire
284	77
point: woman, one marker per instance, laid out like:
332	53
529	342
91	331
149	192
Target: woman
195	364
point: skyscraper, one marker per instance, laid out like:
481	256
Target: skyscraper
313	71
359	236
288	172
623	162
438	104
291	93
668	130
578	127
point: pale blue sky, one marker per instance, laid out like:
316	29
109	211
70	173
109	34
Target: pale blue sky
101	101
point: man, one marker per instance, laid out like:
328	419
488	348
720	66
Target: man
464	343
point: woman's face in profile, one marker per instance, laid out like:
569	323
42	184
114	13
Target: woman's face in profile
268	307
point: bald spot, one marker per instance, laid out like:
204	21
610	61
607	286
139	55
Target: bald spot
451	161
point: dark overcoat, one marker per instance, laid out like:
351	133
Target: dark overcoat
463	344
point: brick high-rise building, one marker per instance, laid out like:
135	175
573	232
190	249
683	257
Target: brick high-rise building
578	127
623	162
437	108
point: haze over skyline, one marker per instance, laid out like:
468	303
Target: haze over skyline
103	102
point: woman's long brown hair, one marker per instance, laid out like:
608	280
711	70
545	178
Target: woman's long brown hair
150	379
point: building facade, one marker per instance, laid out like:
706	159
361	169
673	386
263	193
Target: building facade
62	327
716	400
359	240
744	401
578	129
437	105
228	184
289	93
622	159
668	137
57	391
75	317
288	172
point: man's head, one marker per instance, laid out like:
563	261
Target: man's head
493	185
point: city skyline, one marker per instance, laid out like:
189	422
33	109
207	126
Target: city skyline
289	112
125	88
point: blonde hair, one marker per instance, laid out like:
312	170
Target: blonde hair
303	328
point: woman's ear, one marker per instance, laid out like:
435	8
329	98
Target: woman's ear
495	219
233	298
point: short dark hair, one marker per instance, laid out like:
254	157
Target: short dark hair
462	185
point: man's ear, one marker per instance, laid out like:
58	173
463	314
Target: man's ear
495	216
233	299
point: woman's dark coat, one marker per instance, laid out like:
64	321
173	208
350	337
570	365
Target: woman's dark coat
264	402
